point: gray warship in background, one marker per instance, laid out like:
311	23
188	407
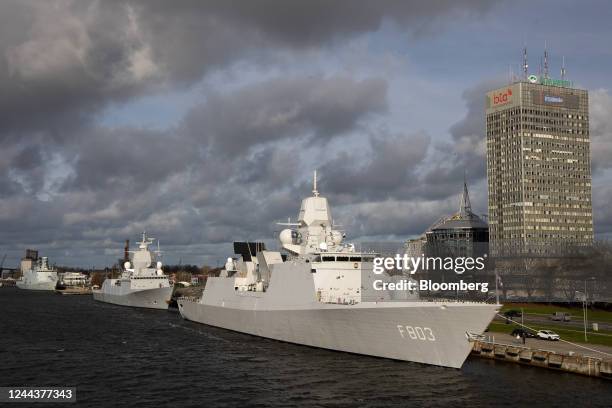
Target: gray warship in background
320	294
36	273
140	284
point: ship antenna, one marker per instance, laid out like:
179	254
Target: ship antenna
158	252
315	192
545	60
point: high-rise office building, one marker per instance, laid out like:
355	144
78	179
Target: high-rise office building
538	167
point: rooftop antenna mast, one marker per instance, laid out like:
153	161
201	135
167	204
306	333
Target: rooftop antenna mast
540	69
545	60
563	69
525	65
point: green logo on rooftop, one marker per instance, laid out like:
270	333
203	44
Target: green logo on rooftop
534	79
556	82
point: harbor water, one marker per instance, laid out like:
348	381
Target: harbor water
119	356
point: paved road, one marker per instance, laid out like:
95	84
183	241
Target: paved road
556	346
544	320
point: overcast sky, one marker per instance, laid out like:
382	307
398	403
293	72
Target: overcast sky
201	122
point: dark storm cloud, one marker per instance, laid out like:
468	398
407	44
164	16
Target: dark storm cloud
391	218
127	158
280	108
600	110
411	166
175	181
387	167
214	32
465	155
602	211
313	22
27	167
270	165
65	60
471	127
62	61
71	187
118	163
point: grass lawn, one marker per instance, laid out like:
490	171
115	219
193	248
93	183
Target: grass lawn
575	336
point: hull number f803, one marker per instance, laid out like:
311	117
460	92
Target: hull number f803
416	333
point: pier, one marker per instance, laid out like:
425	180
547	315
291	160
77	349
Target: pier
546	354
7	283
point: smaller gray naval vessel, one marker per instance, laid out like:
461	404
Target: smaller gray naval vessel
140	284
36	273
319	292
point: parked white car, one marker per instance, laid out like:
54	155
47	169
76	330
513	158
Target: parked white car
547	335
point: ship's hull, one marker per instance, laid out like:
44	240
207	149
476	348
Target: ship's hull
425	333
44	285
157	298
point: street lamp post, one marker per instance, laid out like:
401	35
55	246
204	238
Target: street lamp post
584	305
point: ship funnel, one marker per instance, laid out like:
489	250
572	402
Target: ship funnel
126	251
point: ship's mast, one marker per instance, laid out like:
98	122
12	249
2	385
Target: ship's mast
315	192
144	244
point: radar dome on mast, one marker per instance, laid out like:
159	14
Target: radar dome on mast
286	236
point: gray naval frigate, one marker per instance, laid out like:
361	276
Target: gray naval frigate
140	284
37	274
319	293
